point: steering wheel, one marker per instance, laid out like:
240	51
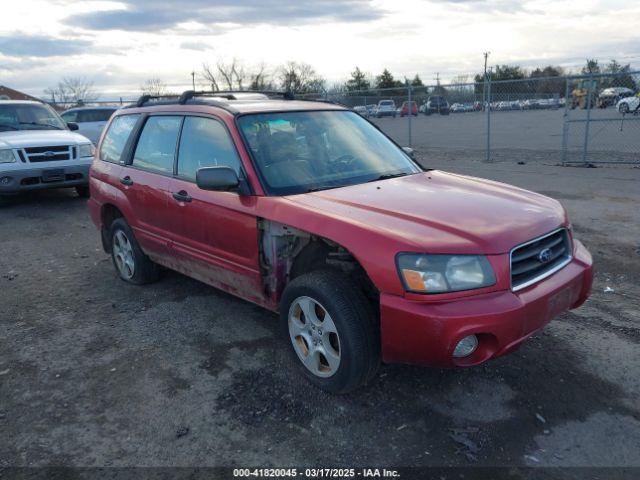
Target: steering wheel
345	160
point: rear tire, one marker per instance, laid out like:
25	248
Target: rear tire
131	263
83	191
331	330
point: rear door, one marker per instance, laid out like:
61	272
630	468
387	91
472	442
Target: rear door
145	181
215	235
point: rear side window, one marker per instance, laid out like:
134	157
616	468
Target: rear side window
70	116
116	137
156	149
99	115
205	142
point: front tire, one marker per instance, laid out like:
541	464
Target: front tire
623	108
131	263
330	328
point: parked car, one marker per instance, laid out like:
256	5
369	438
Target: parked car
38	150
404	109
361	110
91	120
308	210
612	95
628	104
371	109
436	104
457	108
386	108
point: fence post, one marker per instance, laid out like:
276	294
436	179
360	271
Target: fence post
586	127
410	110
488	107
565	123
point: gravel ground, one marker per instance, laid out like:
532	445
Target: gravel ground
96	372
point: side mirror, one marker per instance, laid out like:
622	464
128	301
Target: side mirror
409	151
217	178
73	126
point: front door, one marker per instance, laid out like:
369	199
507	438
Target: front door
214	234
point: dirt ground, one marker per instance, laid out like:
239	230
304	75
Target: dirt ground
96	372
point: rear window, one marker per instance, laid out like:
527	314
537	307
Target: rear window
116	137
386	102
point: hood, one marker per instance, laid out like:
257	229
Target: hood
439	212
40	138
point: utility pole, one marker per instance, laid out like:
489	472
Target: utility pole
193	79
484	84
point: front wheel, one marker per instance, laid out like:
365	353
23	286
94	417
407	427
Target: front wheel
330	328
131	263
623	108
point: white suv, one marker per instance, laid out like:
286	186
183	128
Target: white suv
38	150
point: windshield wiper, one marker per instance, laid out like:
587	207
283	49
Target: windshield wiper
42	125
386	176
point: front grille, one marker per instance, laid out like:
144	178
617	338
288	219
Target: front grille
48	154
539	258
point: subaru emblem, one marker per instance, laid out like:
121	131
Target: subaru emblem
545	255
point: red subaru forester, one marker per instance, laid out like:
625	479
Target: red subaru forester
309	210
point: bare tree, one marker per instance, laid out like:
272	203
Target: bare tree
73	90
300	78
260	79
154	86
210	76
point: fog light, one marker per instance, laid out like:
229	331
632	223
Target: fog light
466	346
5	180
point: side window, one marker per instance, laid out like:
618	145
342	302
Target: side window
205	142
156	147
70	116
116	138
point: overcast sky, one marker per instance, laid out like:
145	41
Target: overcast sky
118	44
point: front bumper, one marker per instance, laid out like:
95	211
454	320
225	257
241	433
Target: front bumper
426	333
36	178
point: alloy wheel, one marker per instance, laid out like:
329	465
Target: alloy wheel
314	337
123	255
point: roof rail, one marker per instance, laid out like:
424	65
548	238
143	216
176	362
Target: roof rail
229	94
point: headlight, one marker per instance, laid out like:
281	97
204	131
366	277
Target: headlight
444	273
6	156
86	150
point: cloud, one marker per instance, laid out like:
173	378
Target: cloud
198	46
149	15
19	45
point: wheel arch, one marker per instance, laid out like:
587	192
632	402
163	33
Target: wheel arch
108	213
287	253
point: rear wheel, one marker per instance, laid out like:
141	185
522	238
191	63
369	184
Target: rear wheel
330	328
624	108
131	263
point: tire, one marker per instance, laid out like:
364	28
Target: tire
623	108
130	262
83	191
347	353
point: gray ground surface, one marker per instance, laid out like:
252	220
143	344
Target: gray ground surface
95	372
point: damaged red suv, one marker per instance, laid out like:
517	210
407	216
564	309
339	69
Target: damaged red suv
309	210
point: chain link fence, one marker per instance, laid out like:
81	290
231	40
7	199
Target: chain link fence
582	119
585	119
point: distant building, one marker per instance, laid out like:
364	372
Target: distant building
7	93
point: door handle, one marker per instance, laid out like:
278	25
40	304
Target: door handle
126	181
182	196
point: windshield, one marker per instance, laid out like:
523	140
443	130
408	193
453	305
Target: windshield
298	152
20	116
